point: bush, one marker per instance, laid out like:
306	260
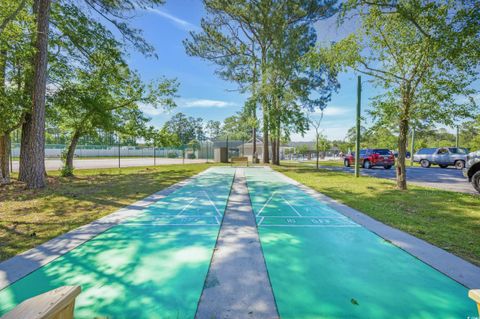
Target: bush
191	156
172	155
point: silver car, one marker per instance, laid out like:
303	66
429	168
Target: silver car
443	157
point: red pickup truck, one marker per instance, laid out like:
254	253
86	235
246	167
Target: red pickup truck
372	157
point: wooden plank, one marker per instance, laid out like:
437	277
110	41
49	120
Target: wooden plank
474	294
58	303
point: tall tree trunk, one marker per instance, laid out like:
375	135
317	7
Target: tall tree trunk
5	145
71	151
4	137
254	135
402	152
274	147
317	148
32	160
265	109
277	144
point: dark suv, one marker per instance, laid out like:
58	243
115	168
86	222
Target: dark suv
472	169
372	157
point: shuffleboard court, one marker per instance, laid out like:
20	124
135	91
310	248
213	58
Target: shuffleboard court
323	265
151	266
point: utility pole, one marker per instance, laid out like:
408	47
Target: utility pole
357	144
457	137
412	147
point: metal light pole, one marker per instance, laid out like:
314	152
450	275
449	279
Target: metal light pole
412	147
457	137
357	144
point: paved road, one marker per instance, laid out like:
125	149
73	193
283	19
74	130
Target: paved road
443	178
56	164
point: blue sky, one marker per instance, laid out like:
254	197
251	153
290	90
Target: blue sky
202	93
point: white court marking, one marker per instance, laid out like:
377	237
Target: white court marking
315	226
213	204
188	205
266	203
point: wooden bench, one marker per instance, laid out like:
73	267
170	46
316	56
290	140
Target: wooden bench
236	160
474	294
54	304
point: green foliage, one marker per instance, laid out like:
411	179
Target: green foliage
421	54
237	127
182	129
260	45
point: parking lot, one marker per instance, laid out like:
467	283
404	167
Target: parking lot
449	179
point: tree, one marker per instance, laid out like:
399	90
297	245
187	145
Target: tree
423	77
32	166
213	129
186	129
236	127
318	134
470	134
15	63
106	97
32	155
242	38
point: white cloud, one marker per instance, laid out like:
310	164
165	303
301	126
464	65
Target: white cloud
204	103
150	110
333	111
177	21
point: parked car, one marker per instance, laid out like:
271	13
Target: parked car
372	157
472	169
443	157
395	153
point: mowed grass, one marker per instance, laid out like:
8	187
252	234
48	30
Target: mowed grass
31	217
448	220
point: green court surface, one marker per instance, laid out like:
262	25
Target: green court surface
153	266
323	265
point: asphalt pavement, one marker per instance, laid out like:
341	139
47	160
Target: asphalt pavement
449	179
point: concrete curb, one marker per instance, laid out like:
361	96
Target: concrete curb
452	266
24	263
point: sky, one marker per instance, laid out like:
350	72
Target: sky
203	94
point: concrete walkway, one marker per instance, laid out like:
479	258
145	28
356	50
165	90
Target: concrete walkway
237	285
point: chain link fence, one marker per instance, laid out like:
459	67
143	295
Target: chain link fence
54	151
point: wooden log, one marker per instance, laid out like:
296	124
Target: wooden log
58	303
474	294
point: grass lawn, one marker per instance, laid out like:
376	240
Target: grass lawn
31	217
448	220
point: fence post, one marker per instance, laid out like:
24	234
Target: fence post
118	151
154	156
